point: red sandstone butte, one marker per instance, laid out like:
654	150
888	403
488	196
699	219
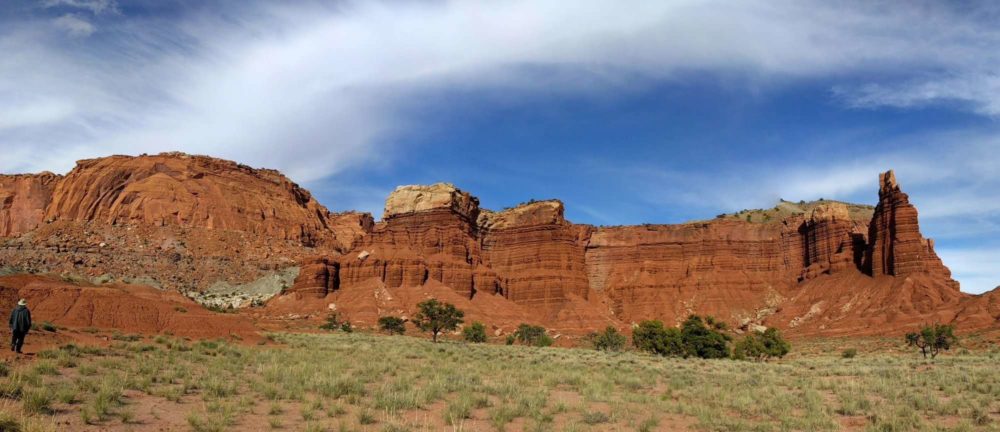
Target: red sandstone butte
809	271
188	223
188	191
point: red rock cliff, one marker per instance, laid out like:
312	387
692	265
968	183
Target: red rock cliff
172	220
786	266
23	200
896	246
189	191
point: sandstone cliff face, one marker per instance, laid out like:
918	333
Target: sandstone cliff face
439	196
806	267
725	268
189	191
23	200
833	241
187	222
170	220
897	248
537	255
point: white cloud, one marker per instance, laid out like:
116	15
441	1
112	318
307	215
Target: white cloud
94	6
312	90
33	113
977	92
978	270
74	25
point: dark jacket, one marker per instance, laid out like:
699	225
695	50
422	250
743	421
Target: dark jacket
20	319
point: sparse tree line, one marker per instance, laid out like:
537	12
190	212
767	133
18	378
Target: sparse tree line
706	338
696	337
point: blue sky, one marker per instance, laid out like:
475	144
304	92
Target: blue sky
628	111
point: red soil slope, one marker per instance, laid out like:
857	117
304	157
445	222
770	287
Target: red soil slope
127	308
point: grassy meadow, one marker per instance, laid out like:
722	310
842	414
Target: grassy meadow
363	382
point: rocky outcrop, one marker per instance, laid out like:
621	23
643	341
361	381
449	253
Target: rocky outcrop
348	228
170	220
23	201
439	196
187	223
548	212
798	266
723	267
832	240
189	191
896	246
537	255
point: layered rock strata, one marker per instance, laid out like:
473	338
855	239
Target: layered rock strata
170	220
190	222
747	271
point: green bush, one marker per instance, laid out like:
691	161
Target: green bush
849	353
532	335
608	340
651	336
437	317
475	333
932	339
760	346
704	341
694	339
346	327
332	322
392	325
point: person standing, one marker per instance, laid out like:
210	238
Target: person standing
20	323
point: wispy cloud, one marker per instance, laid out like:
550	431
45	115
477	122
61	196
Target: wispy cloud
74	25
975	92
314	89
94	6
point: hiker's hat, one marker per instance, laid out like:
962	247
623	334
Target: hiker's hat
22	302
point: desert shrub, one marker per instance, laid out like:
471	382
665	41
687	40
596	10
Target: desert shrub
475	332
437	317
8	422
608	340
511	339
332	322
346	327
532	335
392	325
595	417
849	353
932	339
651	336
703	341
221	308
37	400
760	346
774	344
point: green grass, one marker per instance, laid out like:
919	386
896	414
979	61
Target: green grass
339	381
